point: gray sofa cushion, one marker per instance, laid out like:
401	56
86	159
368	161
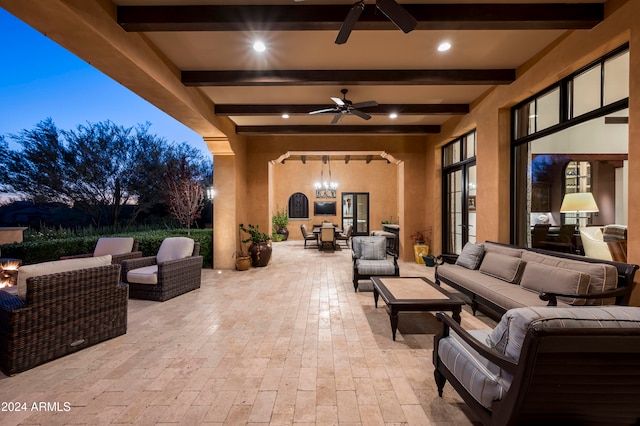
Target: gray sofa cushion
603	277
480	377
507	337
502	293
471	256
504	267
538	278
497	248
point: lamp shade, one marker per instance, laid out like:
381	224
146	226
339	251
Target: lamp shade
579	202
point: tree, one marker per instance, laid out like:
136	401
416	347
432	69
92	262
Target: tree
185	194
98	167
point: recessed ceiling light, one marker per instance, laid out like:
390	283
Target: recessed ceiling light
285	115
393	116
444	46
259	46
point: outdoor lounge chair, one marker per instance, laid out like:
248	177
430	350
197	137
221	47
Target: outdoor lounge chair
176	269
546	365
370	258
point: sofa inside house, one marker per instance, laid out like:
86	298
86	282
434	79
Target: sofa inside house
498	277
60	307
546	365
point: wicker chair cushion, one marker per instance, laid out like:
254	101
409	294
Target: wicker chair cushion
113	246
478	376
56	266
174	248
146	275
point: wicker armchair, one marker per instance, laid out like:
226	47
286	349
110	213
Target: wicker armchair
64	313
119	248
176	269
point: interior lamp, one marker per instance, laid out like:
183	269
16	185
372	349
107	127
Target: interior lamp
579	202
324	188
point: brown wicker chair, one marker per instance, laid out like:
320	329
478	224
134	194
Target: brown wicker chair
172	277
114	247
546	365
64	313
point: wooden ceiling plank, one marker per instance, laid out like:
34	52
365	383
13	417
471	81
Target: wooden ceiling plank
339	129
384	109
330	17
348	77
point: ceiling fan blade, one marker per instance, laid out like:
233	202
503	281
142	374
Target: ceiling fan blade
397	14
336	118
365	104
338	101
349	22
360	114
324	111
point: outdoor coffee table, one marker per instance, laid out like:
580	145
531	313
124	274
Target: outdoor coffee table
413	294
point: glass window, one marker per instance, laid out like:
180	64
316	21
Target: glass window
586	91
548	110
588	157
470	145
616	78
452	153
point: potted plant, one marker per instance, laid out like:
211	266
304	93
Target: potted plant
421	240
243	260
260	249
280	221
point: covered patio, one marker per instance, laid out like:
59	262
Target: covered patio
291	343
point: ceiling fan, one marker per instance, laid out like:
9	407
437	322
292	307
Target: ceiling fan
344	106
390	8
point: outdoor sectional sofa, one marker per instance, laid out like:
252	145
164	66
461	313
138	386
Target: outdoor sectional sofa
67	305
499	277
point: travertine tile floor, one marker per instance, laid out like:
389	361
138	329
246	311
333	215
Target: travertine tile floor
289	344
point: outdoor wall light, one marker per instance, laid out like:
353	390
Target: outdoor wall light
210	192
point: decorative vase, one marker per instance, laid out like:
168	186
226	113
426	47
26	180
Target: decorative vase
243	263
260	254
284	232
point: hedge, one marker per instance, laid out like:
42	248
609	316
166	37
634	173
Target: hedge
37	251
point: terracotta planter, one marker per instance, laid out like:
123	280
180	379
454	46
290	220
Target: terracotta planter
260	254
243	263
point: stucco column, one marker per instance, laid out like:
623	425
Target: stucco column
633	213
225	233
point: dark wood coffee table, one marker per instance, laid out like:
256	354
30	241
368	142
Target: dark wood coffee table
413	294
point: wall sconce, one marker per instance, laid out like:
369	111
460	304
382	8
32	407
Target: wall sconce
210	193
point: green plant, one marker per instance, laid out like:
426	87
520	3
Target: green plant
255	236
281	218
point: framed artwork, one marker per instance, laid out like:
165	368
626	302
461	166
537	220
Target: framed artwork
471	204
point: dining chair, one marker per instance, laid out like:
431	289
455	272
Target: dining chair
328	235
308	236
345	235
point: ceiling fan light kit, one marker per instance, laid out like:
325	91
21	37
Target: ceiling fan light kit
344	106
390	8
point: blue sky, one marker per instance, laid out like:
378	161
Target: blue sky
40	79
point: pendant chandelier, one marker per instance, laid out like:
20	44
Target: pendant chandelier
325	188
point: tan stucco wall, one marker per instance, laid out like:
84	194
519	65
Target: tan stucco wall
408	151
378	178
490	117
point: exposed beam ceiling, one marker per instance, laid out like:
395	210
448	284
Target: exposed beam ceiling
336	129
347	77
414	109
330	17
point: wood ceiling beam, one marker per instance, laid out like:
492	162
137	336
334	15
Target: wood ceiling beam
385	109
330	17
349	77
337	129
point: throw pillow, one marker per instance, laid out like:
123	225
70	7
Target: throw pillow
539	278
501	266
471	256
9	302
374	248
